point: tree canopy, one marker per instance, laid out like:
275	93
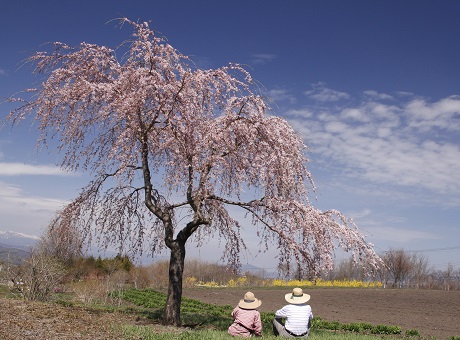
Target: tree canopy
167	142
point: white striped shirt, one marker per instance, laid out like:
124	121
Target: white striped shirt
297	317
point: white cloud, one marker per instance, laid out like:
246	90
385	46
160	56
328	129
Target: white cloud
355	114
411	144
361	214
24	212
335	127
443	114
14	196
322	94
377	95
263	58
299	113
400	235
18	169
2	72
280	94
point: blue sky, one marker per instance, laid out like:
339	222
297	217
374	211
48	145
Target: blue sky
373	86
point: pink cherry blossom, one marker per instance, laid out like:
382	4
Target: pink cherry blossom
174	150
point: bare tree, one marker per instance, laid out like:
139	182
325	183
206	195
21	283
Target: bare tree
62	241
347	270
167	142
448	276
37	276
419	272
457	278
399	266
43	273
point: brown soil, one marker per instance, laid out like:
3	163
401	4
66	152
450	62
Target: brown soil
433	313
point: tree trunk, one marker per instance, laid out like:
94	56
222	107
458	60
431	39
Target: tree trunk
171	314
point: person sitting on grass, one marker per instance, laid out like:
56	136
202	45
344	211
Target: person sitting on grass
298	316
246	319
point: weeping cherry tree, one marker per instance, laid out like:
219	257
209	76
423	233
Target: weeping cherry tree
175	151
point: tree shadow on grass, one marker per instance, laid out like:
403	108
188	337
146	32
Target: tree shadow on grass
190	320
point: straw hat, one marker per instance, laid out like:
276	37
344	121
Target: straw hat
249	301
297	297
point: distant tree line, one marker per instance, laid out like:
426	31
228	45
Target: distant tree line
402	269
57	263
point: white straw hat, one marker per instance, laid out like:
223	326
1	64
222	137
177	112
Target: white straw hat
249	301
297	297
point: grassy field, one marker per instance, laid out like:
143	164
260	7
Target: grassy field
147	333
136	314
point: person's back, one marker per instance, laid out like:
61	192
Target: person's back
246	319
298	315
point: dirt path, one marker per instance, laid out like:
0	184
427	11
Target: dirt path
433	313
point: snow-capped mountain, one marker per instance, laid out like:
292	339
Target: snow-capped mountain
19	240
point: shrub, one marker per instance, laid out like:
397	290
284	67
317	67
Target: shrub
37	277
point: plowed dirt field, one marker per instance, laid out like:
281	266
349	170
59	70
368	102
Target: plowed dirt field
434	313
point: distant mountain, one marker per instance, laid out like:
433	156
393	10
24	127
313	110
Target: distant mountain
19	240
15	246
262	272
12	255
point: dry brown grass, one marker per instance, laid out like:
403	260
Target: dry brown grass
21	319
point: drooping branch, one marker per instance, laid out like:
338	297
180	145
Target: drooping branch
161	136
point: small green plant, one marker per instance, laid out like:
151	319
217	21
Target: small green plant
454	338
65	303
366	326
267	317
412	332
318	323
383	329
4	290
353	327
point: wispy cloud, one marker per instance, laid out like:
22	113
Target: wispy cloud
299	113
23	211
263	58
377	95
19	169
409	142
2	72
323	94
404	235
278	95
11	195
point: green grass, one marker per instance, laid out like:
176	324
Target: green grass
147	333
206	321
4	291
